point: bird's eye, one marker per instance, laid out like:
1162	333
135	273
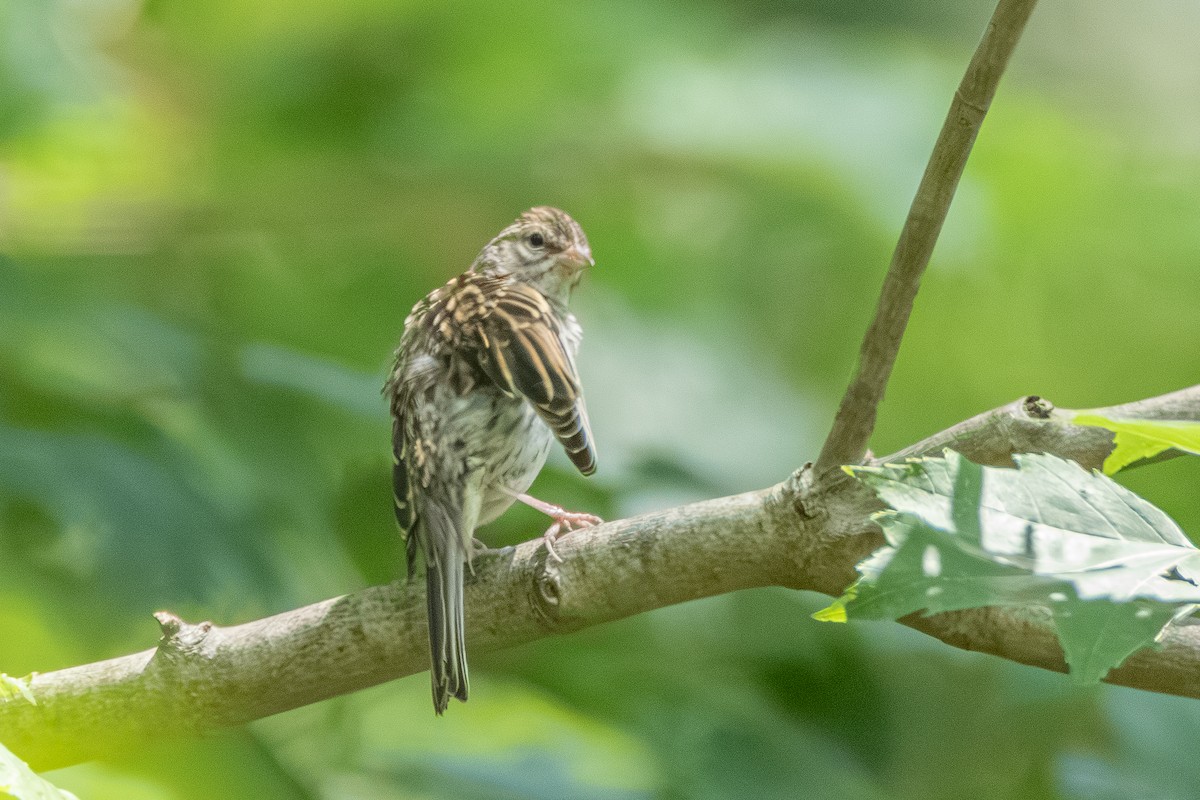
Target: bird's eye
536	240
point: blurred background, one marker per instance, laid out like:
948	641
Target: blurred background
215	216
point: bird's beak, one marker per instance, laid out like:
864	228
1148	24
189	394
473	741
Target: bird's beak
578	256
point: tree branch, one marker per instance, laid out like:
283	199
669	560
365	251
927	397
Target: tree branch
799	534
802	533
855	420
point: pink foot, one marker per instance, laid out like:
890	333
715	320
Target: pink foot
564	521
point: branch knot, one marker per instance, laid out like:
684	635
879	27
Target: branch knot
547	593
1037	407
179	639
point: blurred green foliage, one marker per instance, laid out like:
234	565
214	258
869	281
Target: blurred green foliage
214	217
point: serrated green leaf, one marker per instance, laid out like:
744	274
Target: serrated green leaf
19	782
1113	568
1045	491
1137	439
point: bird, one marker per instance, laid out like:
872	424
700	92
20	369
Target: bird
484	381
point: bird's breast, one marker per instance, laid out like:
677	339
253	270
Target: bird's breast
506	439
518	457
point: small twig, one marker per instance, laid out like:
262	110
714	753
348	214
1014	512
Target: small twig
855	420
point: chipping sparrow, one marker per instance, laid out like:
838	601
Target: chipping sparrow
484	380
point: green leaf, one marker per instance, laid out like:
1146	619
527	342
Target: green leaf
836	611
1113	568
927	569
1097	635
19	782
1055	496
1048	516
1140	439
12	688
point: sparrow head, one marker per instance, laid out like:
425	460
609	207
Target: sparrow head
543	247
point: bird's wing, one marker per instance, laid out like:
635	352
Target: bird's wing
412	369
402	488
518	342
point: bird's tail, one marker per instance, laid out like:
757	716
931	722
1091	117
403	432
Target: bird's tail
444	559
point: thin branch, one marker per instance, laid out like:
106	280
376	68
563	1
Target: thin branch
800	534
855	420
991	437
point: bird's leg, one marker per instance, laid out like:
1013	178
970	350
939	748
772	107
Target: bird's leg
564	521
479	548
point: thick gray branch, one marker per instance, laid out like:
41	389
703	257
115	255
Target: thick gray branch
855	420
797	534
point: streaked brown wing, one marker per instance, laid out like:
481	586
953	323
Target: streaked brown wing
520	347
402	493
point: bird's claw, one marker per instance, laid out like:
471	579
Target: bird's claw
565	522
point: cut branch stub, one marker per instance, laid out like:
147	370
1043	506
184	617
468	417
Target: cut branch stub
180	639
